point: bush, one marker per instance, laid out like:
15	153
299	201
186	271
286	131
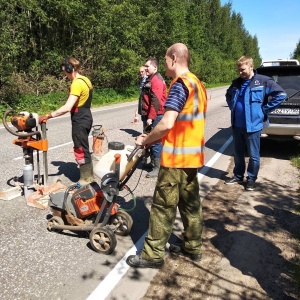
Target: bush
108	96
45	103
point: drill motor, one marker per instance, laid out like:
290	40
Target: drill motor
24	121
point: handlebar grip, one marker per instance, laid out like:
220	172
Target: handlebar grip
133	153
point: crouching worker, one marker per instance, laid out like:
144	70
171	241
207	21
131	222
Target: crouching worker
79	104
181	130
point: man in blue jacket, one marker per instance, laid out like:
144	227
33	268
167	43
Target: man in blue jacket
251	97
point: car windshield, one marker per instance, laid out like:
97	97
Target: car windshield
288	77
291	84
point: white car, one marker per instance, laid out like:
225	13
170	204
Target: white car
280	62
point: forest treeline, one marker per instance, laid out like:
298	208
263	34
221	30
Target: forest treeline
112	38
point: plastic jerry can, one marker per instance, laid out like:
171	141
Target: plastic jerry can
106	164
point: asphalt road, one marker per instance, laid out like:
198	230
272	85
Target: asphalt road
37	264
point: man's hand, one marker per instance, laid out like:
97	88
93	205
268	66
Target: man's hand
149	121
140	139
44	118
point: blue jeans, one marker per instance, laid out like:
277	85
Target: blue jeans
242	141
155	149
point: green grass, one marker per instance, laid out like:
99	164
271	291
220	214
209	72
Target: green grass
46	103
295	160
111	96
215	85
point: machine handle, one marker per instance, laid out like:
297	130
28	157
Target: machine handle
97	127
133	153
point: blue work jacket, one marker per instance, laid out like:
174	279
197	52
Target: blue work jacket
262	96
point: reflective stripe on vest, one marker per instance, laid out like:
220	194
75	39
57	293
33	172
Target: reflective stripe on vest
196	98
191	117
190	150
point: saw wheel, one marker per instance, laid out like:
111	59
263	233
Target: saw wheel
103	240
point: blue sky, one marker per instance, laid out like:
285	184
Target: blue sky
276	23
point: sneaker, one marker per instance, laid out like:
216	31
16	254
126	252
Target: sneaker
137	261
250	185
153	173
148	166
233	180
174	249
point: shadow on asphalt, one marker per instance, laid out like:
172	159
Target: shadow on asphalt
133	133
69	169
218	140
279	149
140	217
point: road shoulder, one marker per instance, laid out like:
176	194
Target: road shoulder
248	247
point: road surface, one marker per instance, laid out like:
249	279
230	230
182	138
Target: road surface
37	264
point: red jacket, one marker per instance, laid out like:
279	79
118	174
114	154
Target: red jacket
153	97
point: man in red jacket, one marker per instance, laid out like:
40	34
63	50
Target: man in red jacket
153	98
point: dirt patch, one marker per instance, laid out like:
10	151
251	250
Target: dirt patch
249	246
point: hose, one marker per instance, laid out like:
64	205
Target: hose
133	198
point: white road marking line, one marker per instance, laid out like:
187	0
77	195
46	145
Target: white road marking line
55	147
115	275
212	161
62	145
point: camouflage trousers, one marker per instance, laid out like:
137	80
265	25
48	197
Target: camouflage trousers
174	188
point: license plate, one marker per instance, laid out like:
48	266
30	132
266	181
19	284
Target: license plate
286	111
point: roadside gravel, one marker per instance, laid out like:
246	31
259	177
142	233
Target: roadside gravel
249	245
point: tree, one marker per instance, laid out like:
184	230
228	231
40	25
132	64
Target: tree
296	53
112	38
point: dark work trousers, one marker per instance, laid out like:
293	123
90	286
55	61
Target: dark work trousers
80	137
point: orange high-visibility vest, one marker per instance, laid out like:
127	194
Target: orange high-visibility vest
183	146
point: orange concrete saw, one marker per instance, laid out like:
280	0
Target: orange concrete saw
95	207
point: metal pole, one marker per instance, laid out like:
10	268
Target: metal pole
45	157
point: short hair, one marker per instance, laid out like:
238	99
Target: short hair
72	61
153	61
245	60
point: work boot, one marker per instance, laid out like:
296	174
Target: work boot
86	174
155	170
149	165
178	250
137	261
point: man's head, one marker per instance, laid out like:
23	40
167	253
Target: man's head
177	60
245	67
70	66
151	66
142	71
